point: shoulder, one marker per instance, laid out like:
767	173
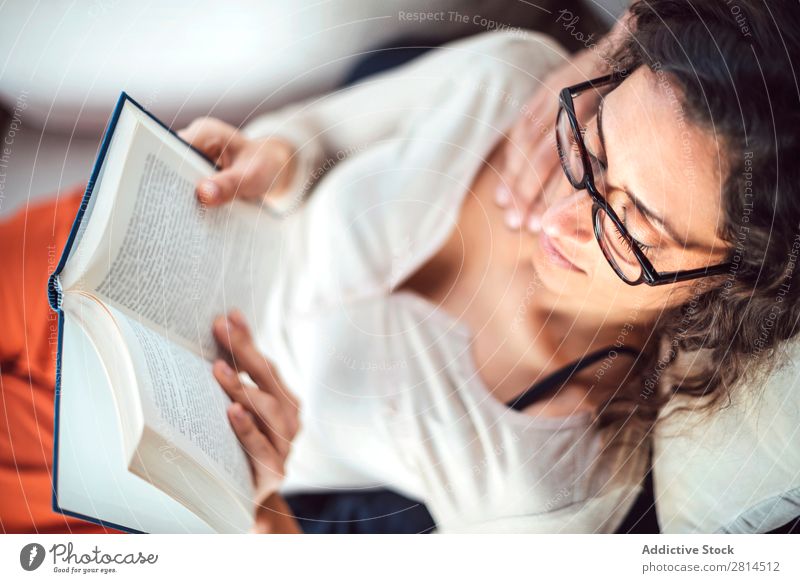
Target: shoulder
518	49
571	399
492	74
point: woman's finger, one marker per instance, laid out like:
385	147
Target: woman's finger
276	423
220	143
533	220
214	138
235	388
508	195
547	162
247	173
220	188
525	187
267	464
527	170
544	163
233	335
513	160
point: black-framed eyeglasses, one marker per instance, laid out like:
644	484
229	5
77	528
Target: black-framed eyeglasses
622	251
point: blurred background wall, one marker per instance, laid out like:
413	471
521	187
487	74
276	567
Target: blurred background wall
63	63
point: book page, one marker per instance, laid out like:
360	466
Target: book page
172	262
91	477
183	403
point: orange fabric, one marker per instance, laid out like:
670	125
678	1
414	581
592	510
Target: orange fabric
30	246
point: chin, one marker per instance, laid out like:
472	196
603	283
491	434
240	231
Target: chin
554	277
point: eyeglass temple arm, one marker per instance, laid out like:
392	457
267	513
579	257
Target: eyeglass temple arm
595	83
676	276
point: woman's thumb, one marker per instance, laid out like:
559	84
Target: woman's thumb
221	187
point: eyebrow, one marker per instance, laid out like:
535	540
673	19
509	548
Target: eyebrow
637	202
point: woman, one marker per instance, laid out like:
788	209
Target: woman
498	345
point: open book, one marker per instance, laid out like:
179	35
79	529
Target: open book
142	440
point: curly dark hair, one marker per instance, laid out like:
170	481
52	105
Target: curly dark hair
732	64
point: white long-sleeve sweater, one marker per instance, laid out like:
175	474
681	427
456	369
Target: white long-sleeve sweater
391	395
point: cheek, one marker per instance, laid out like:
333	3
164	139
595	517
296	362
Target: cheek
605	286
607	293
644	301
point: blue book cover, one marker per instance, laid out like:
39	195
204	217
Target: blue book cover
54	290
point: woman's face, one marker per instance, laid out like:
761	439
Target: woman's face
662	175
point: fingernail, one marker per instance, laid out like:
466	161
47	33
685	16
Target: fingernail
209	190
513	220
236	318
502	195
534	223
226	369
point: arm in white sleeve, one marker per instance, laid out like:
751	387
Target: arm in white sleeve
326	129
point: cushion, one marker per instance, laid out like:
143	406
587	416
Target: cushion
31	243
736	470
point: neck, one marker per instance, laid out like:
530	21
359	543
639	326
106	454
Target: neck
577	327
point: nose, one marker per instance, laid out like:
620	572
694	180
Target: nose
569	219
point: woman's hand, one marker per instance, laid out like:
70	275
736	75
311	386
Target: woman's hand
531	168
249	169
264	415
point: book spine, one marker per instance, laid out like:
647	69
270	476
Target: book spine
54	293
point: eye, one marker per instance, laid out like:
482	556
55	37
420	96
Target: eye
600	161
574	147
644	247
599	169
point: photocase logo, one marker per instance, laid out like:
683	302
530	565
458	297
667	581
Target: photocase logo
31	556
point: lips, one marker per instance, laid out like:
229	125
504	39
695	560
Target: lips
554	255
